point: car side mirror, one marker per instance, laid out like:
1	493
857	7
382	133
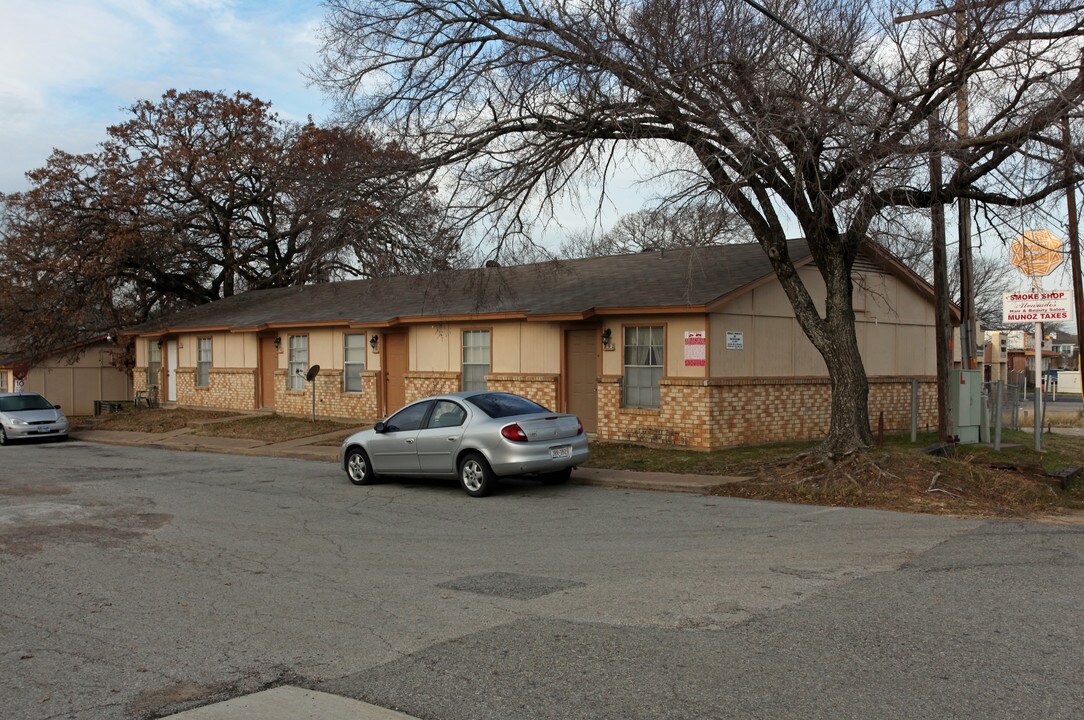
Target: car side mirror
380	427
56	407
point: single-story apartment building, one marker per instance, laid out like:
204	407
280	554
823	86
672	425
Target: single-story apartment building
72	377
695	347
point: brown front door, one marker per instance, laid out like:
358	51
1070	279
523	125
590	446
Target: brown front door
581	376
395	367
269	362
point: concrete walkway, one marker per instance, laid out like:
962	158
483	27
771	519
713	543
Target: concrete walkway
307	449
290	703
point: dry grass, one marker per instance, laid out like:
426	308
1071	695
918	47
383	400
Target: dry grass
273	428
898	476
158	420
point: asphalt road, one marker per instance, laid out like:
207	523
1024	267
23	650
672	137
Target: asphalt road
138	582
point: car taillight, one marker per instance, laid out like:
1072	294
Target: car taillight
579	427
514	433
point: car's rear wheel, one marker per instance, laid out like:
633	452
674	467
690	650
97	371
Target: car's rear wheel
557	478
358	467
476	476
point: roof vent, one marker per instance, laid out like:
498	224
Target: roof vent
492	264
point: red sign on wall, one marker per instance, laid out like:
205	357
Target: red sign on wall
696	344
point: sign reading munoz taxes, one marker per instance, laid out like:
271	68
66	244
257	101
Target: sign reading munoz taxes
1037	306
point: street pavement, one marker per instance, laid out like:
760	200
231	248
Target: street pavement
138	582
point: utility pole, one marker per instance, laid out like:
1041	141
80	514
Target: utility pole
963	205
1074	241
942	318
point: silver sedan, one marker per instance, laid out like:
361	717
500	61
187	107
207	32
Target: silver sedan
29	415
476	437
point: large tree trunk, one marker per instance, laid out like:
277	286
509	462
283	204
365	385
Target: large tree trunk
850	428
835	338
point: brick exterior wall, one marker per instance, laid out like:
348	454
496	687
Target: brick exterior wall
542	389
717	413
423	384
331	401
227	389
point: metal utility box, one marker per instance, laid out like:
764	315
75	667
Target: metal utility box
966	390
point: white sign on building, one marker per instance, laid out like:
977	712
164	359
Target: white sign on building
735	340
1037	306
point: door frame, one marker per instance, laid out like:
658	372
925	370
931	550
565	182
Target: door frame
386	372
172	361
562	390
260	391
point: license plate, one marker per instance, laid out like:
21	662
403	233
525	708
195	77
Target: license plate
561	453
45	430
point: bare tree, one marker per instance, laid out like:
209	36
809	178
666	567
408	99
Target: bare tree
697	224
814	111
196	197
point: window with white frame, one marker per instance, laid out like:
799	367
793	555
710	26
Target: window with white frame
353	362
475	359
643	366
203	362
3	380
154	363
298	362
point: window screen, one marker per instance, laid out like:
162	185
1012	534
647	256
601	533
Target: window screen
643	366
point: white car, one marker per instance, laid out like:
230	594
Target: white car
476	437
29	415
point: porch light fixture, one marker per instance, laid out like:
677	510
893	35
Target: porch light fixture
373	342
159	343
607	334
278	342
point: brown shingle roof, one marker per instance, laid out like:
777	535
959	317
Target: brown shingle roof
688	278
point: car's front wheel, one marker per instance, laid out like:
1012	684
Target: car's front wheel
476	476
358	467
3	436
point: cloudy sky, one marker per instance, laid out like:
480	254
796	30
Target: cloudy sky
70	66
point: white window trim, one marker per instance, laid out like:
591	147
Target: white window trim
488	364
200	363
295	382
625	366
347	364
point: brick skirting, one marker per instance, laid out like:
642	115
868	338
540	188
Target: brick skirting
420	384
722	412
331	401
542	389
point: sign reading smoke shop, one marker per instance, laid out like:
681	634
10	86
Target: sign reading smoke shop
1037	306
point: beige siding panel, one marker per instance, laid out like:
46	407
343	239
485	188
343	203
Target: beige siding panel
86	388
772	342
675	345
807	361
321	347
116	385
916	350
141	351
912	307
879	345
770	300
186	351
58	388
228	351
506	343
431	347
541	348
612	363
731	363
251	350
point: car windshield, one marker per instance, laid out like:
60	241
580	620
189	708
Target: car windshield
500	405
17	403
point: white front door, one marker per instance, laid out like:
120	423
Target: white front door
171	371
